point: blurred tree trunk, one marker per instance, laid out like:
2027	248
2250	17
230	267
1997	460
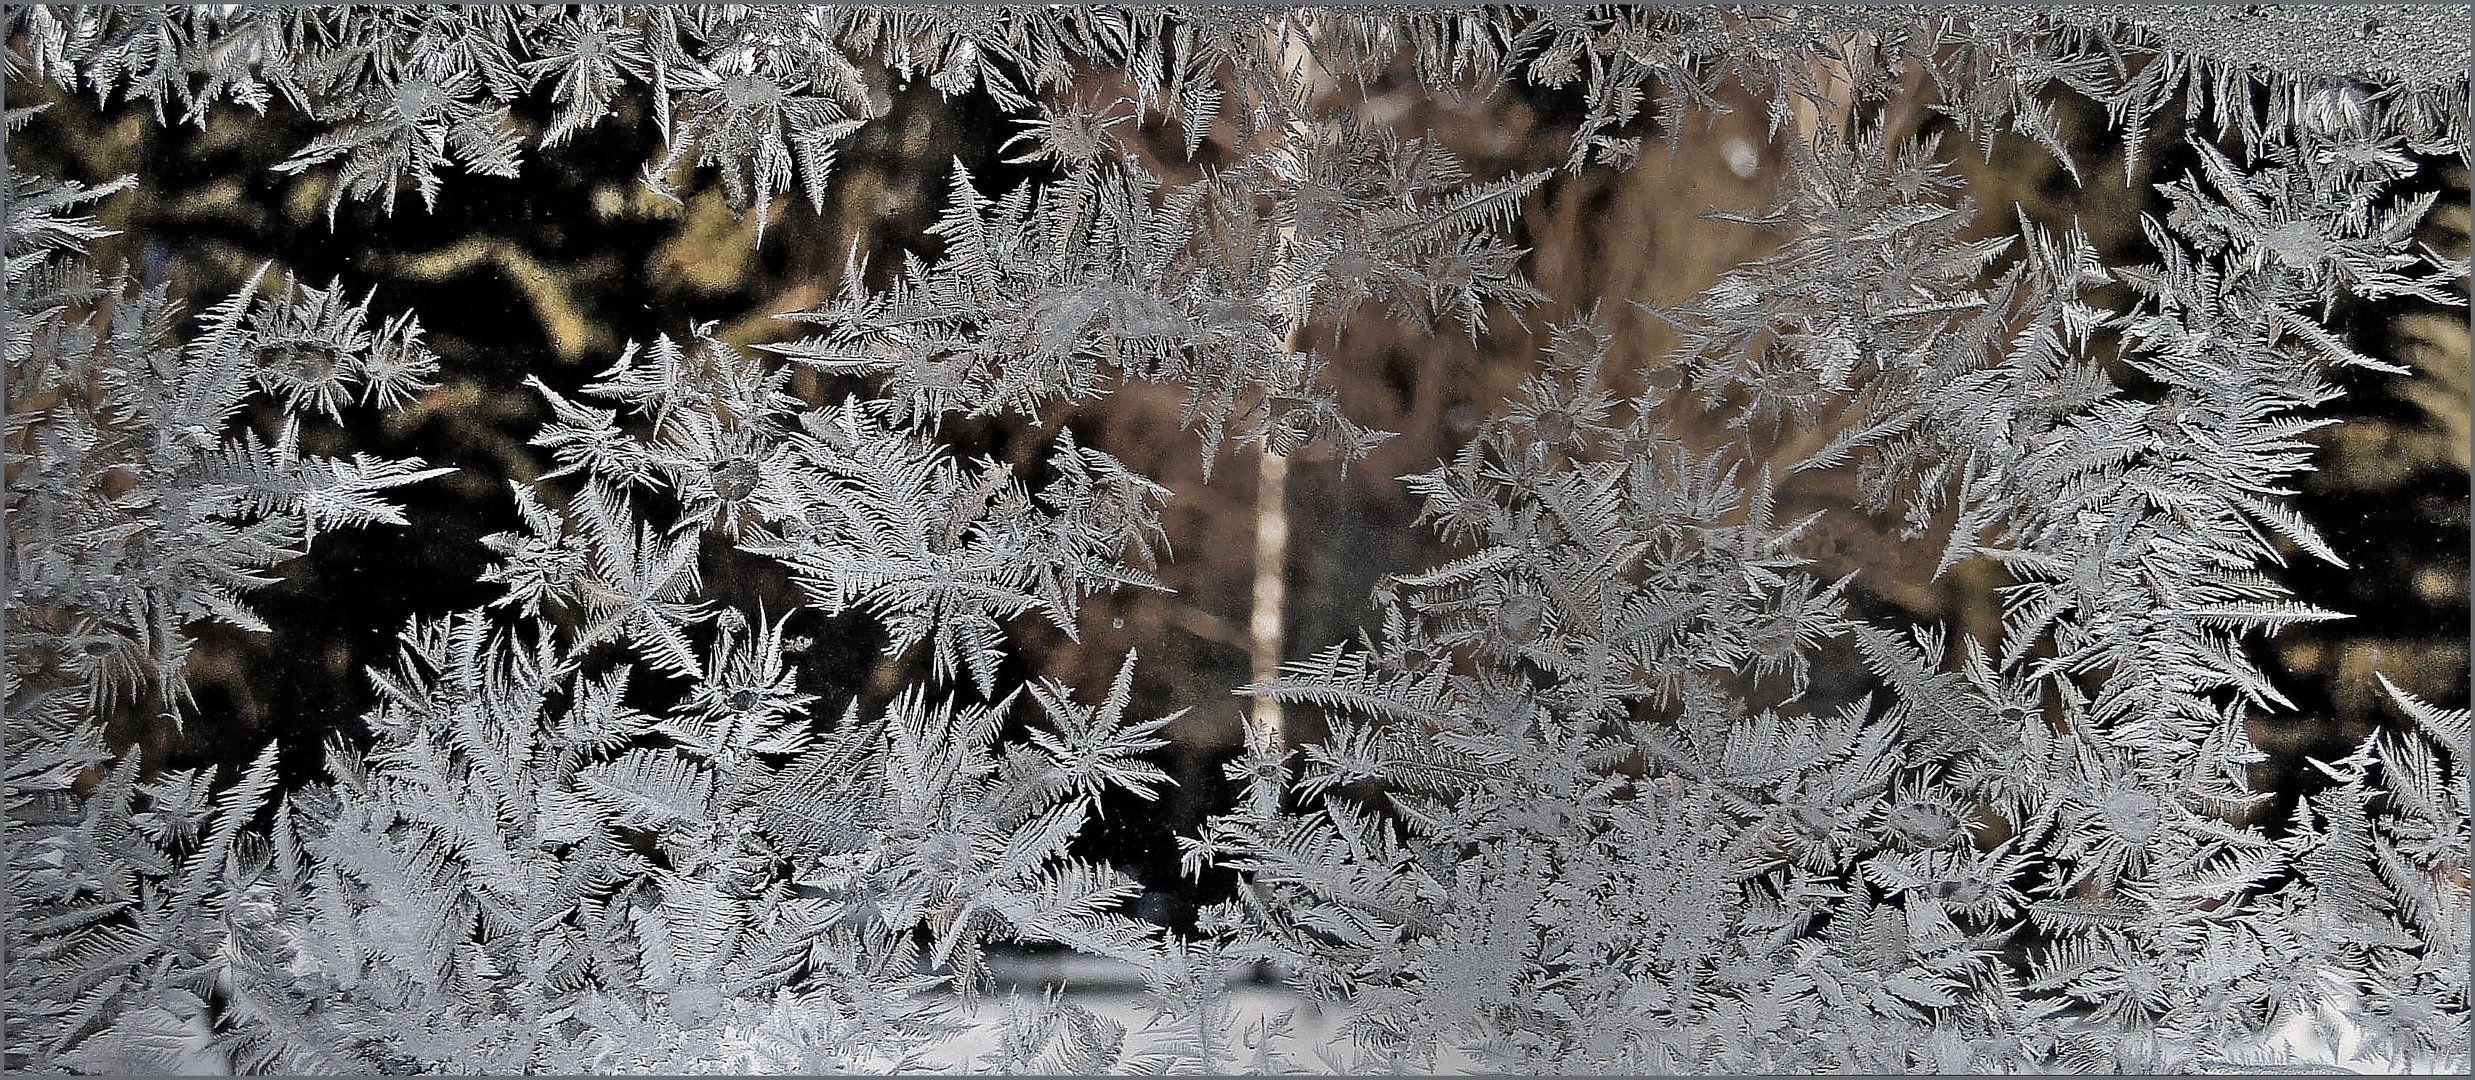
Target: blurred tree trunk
1263	630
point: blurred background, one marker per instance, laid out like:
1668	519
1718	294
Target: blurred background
552	273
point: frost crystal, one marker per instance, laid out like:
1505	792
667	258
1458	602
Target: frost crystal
1633	783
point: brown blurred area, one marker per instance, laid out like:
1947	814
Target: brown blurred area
552	273
2391	489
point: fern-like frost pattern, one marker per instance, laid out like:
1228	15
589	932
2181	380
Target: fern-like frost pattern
1585	801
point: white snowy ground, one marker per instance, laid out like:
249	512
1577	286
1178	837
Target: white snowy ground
1111	989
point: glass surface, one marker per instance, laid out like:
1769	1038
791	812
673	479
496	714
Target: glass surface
1630	540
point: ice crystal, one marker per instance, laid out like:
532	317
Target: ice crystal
1584	803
